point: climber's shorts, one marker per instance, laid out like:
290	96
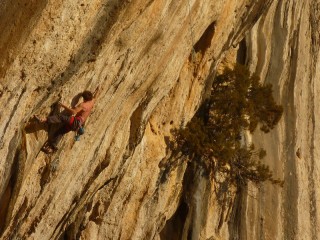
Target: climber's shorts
72	123
75	123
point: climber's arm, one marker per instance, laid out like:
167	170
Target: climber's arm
74	110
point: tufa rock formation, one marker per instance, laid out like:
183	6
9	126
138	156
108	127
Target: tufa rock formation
154	61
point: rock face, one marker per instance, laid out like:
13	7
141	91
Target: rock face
154	61
283	48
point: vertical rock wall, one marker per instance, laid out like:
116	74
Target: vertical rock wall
153	60
283	48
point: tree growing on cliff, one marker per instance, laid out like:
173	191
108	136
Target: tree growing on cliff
238	102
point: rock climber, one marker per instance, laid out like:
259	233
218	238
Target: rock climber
73	122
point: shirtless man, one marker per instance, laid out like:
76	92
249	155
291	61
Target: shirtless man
72	122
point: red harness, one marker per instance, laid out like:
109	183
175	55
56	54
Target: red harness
75	125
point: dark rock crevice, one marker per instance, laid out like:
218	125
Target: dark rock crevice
137	125
242	52
290	172
235	222
9	196
315	40
12	114
200	48
312	168
174	226
204	43
315	31
180	224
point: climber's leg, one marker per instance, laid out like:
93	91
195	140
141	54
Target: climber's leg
54	141
60	118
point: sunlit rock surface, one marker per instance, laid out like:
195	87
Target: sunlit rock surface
154	61
283	48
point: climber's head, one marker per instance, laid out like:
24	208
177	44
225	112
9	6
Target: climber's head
87	96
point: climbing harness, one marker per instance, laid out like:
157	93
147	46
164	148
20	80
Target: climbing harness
75	124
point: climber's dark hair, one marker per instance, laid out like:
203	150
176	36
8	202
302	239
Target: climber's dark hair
87	96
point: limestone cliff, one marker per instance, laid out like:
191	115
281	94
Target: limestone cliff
283	48
154	61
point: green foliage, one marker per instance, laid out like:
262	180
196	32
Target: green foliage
242	96
238	102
